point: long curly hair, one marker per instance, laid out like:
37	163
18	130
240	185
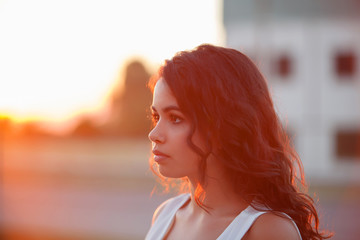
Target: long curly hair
226	99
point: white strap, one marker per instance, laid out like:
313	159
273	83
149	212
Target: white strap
241	224
166	217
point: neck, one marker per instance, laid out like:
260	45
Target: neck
218	197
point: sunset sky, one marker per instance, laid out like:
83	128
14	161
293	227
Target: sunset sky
59	59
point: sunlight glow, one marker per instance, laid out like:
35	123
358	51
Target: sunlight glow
62	58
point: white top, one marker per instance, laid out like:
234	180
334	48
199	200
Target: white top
236	230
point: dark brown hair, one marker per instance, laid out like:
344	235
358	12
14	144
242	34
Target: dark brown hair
226	98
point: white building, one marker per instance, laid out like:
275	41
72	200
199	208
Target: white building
309	51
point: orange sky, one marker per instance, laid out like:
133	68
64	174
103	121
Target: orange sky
61	58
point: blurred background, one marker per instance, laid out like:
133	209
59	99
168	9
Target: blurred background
74	104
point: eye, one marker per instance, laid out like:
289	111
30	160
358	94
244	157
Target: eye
155	117
175	119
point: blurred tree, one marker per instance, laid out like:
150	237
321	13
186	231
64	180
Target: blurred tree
5	127
129	107
31	130
86	128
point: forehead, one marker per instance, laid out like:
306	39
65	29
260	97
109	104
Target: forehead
162	95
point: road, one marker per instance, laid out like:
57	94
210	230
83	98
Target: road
71	211
125	213
76	189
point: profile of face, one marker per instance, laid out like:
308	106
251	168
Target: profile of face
175	158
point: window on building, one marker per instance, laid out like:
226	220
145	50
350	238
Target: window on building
348	144
283	66
345	64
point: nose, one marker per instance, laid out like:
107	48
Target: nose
155	135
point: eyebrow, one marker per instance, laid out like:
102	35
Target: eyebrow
167	109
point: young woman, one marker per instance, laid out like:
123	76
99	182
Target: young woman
216	130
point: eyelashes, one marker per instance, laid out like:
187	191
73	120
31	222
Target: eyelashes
155	118
173	118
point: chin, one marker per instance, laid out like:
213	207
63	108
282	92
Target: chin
170	173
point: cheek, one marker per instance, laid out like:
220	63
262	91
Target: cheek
199	141
180	142
184	149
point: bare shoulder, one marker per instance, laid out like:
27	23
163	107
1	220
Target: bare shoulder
174	202
159	210
270	226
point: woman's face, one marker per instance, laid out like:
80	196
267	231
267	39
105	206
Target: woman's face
171	152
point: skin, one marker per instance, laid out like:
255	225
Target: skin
169	137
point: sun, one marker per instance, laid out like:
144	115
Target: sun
62	58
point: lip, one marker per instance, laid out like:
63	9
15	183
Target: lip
159	156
